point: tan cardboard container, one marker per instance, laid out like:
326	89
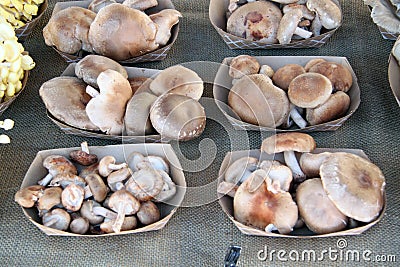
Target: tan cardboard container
156	55
394	77
23	32
6	104
217	14
68	129
223	83
226	202
36	171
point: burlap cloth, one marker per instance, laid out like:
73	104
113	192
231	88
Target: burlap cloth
200	236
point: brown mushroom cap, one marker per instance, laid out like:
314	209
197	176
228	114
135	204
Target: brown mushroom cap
335	107
165	20
57	219
338	74
130	222
91	66
66	99
120	32
292	141
178	117
317	210
284	75
51	197
124	203
178	80
97	187
148	213
256	21
79	225
27	197
310	163
145	184
72	197
259	102
68	29
309	90
243	65
313	62
354	184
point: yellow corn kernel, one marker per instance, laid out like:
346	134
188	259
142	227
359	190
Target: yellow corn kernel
13	77
27	62
16	64
10	90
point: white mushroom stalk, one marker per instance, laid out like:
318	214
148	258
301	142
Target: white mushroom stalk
92	91
106	213
293	164
297	118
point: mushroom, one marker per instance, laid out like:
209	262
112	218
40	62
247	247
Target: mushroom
96	5
382	15
165	20
307	14
316	26
309	90
148	213
288	143
124	203
280	177
139	82
296	115
317	210
97	187
240	170
145	184
137	114
227	188
7	124
78	225
94	168
117	178
339	75
68	29
135	160
130	222
289	26
313	62
91	66
354	184
107	110
335	107
328	12
108	164
310	163
50	198
243	65
178	80
285	1
27	196
267	70
259	102
141	162
57	219
66	99
178	117
129	32
72	197
83	155
256	21
56	165
168	190
285	74
254	205
140	4
95	213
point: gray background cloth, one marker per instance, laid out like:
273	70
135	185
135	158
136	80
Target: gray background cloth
200	235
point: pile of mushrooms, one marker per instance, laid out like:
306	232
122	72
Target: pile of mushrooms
116	30
306	95
282	21
328	192
103	98
385	14
86	195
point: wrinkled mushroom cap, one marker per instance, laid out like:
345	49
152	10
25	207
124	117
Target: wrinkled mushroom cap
259	102
284	75
317	210
338	74
354	184
309	90
257	21
243	65
26	197
50	198
145	184
66	99
292	141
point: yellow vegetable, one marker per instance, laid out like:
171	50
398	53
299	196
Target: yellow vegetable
4	73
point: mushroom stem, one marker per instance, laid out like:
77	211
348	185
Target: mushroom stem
302	33
117	166
291	162
120	217
46	180
233	5
270	227
88	192
85	147
106	213
297	118
92	91
5	139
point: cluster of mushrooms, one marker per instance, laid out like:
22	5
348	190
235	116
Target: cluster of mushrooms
385	14
103	197
116	30
326	191
306	95
102	98
281	21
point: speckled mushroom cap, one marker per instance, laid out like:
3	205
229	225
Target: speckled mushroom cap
258	101
339	75
256	21
355	185
292	141
284	75
178	117
243	65
309	90
317	210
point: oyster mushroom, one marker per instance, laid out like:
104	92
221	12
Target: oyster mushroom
145	184
240	170
165	20
288	143
178	117
328	12
130	222
117	178
27	196
243	65
124	203
50	198
310	163
96	5
108	164
285	74
338	74
97	187
317	210
148	213
56	165
79	225
288	26
57	219
254	205
72	197
355	185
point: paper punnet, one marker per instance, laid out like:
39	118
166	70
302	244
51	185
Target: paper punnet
23	32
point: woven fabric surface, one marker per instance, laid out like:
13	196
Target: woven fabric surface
199	235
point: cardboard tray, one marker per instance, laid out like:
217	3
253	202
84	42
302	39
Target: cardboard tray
36	171
223	83
68	129
156	55
394	77
23	32
217	14
6	104
226	202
